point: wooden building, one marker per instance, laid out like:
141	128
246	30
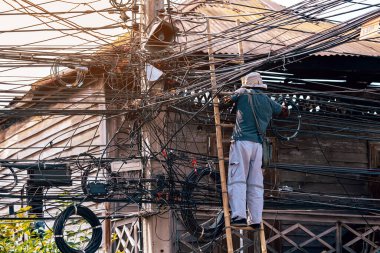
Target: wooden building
321	187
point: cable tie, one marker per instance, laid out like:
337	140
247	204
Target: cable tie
203	231
58	236
76	209
98	226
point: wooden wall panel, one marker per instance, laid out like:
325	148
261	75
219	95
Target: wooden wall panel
54	136
26	137
350	153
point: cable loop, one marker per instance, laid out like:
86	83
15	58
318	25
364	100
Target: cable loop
90	217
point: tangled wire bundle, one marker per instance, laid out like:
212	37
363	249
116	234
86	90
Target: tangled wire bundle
86	214
202	231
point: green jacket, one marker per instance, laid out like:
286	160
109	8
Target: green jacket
245	128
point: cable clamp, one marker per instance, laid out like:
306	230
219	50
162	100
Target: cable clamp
75	209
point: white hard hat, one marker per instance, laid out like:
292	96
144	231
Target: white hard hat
253	80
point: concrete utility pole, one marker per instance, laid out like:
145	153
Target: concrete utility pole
150	10
154	228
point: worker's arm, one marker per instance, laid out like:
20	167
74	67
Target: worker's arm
279	110
237	93
228	101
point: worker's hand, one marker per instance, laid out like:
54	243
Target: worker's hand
226	99
284	112
225	102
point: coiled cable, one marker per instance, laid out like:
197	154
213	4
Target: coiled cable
203	232
287	128
90	217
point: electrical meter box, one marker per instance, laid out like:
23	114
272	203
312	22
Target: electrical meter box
52	175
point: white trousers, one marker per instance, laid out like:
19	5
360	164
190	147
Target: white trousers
245	181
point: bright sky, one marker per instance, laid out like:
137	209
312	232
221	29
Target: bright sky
26	22
50	38
53	39
350	6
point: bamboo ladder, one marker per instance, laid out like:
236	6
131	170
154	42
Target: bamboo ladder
219	145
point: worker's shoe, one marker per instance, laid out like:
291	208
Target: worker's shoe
255	226
238	222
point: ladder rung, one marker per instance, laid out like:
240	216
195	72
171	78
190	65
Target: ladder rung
245	228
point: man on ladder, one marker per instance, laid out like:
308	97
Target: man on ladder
254	111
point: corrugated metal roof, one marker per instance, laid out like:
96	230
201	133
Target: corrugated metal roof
224	15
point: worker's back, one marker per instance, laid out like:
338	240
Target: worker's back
245	126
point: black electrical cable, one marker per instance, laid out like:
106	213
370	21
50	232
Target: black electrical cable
85	169
289	133
90	217
203	232
11	186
